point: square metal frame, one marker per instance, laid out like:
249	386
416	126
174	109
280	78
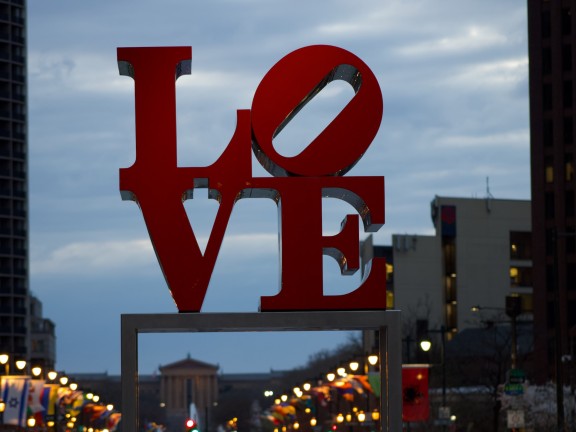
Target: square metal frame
387	322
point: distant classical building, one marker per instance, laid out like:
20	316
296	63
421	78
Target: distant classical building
184	383
481	253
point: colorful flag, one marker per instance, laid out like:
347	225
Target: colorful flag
35	390
374	382
113	421
15	395
50	399
416	404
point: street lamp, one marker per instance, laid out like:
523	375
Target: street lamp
4	361
426	345
36	371
2	409
513	309
373	359
20	364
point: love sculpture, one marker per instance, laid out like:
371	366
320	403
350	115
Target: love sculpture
298	184
159	185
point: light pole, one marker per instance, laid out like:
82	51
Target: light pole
513	309
558	330
425	344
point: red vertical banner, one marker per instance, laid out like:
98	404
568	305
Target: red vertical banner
415	400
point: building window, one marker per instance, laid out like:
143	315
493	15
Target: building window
546	61
570	315
566	58
569	203
571	276
566	21
520	245
546	24
549	278
521	276
389	272
547	97
548	132
549	205
568	167
567	94
550	314
549	170
568	130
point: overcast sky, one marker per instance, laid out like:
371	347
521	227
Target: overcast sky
454	81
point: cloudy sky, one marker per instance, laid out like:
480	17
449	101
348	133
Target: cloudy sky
454	82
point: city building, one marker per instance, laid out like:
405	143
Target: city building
42	338
552	74
14	295
460	276
552	41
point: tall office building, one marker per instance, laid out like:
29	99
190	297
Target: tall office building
552	44
14	294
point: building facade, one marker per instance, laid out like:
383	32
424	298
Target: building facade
186	386
552	44
460	276
42	350
14	295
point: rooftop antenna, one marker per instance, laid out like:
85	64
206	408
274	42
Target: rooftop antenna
489	196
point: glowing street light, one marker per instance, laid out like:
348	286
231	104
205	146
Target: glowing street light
20	364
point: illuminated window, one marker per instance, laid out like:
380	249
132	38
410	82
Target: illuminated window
520	245
527	303
389	272
389	300
549	174
521	276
